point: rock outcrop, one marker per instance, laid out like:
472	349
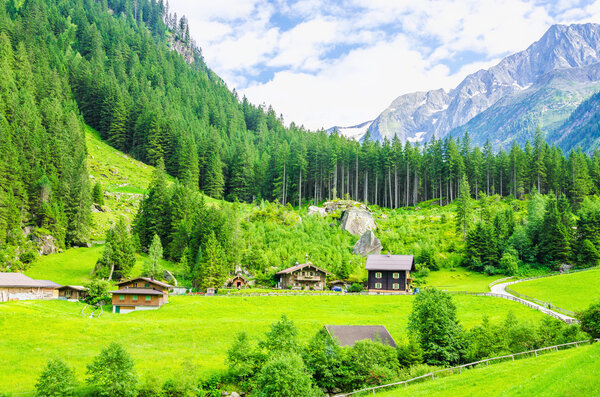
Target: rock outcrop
46	244
367	244
357	221
313	210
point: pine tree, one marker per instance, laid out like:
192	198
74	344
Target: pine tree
554	246
214	182
464	209
98	194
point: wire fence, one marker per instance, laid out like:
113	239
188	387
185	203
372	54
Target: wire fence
450	371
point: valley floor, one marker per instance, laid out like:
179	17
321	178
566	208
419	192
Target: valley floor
195	331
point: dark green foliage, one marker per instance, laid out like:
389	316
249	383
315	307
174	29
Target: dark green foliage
56	380
118	257
590	320
410	354
588	233
98	292
433	322
98	194
371	363
355	287
555	244
242	359
325	360
481	249
112	373
282	337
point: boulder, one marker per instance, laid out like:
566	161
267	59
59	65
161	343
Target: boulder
342	205
367	244
312	210
46	244
357	221
96	208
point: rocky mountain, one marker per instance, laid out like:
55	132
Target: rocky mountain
582	128
355	132
541	85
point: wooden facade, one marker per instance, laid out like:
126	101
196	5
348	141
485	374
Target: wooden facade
306	276
238	281
72	292
141	293
389	273
17	286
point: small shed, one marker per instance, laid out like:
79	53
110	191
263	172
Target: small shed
238	281
348	335
72	292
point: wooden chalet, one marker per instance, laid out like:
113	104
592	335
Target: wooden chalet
348	335
140	293
389	273
72	292
17	286
304	276
238	281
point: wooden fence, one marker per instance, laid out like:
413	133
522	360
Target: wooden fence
449	371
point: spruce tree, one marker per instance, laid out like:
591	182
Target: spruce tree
554	246
464	209
214	182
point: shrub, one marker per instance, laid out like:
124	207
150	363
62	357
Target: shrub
590	320
57	379
355	287
112	373
285	375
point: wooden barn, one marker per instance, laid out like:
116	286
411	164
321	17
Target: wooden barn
348	335
72	292
140	293
304	276
17	286
389	273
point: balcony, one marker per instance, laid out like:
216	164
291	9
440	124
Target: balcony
308	278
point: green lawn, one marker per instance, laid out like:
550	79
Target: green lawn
459	279
194	330
574	291
572	372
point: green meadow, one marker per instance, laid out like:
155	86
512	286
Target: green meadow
194	331
574	291
460	279
572	372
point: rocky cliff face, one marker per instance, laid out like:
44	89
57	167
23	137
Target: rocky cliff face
570	53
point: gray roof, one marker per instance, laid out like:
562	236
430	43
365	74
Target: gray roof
390	262
137	291
348	335
17	280
298	267
75	287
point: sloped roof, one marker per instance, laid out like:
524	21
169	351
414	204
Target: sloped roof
298	267
16	280
390	262
137	291
148	280
348	335
75	287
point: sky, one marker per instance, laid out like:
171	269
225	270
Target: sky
339	63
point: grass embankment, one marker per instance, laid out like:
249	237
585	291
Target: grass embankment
574	291
572	372
192	331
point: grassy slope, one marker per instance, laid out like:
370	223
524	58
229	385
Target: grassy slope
124	180
194	330
571	372
459	279
570	291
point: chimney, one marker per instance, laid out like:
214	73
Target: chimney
389	253
152	278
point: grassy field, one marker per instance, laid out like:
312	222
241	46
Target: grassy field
459	279
572	372
570	291
194	331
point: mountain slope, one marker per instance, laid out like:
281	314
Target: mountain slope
582	128
356	132
576	48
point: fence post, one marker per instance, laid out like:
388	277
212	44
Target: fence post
513	357
535	353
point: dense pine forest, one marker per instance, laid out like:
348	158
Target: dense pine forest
112	65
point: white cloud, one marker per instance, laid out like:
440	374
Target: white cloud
403	45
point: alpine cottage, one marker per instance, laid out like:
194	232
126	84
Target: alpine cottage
389	273
140	293
306	276
17	286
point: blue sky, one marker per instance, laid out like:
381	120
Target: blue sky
325	63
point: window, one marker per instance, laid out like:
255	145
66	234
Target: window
148	298
378	285
395	286
147	285
121	297
378	275
396	275
134	298
68	293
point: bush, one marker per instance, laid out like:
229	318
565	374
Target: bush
285	376
590	320
355	287
57	379
112	373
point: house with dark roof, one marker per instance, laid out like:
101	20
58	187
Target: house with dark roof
72	292
348	335
305	276
140	293
389	273
17	286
